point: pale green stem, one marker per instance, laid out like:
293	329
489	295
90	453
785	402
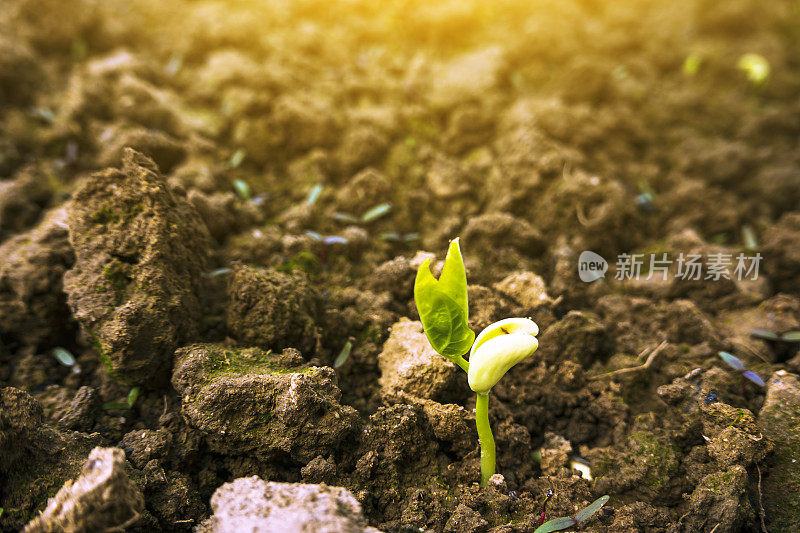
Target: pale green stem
460	361
485	437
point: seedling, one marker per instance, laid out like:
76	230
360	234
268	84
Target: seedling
242	189
370	215
749	238
692	64
127	404
736	363
783	345
344	355
444	312
64	357
313	196
756	68
557	524
237	158
391	236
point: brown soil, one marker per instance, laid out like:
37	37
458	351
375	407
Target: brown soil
182	186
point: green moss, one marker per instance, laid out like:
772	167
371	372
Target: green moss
303	260
653	454
224	361
105	215
117	277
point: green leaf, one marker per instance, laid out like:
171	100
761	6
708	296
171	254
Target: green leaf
116	405
556	524
242	189
132	396
791	336
732	360
442	305
764	334
63	356
343	355
376	212
313	196
591	509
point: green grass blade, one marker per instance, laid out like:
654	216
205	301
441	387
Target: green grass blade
587	512
556	524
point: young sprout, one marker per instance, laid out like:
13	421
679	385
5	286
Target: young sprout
344	355
557	524
313	196
133	394
783	345
375	213
443	310
736	363
237	158
756	68
749	238
692	64
242	189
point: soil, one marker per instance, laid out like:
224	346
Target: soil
222	205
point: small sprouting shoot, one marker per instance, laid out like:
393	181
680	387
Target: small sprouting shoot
756	68
736	363
242	189
314	194
392	236
344	354
444	312
771	336
237	158
557	524
129	402
370	215
374	213
784	346
66	358
692	64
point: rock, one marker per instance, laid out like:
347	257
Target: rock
32	264
223	213
720	501
140	252
466	520
273	310
525	288
143	445
251	504
504	242
779	419
101	499
395	276
22	200
166	151
319	470
733	435
80	415
409	365
468	76
555	454
20	72
247	401
51	457
365	190
579	337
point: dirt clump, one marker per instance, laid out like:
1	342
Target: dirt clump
140	250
